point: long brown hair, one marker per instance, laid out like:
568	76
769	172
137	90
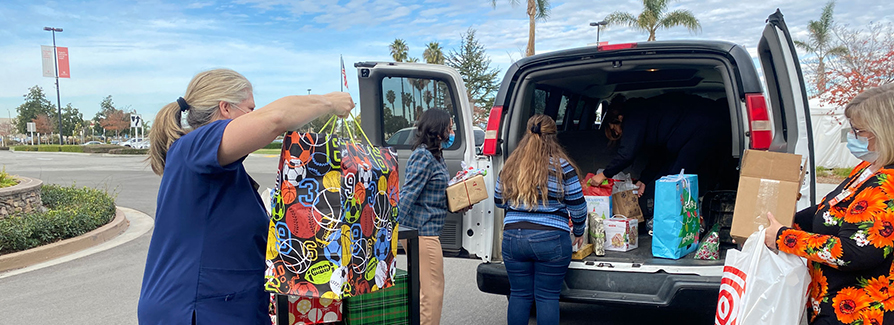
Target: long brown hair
432	128
525	177
203	96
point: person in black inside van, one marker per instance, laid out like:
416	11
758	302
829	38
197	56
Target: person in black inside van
675	131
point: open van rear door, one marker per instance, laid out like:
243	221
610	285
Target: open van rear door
787	96
392	96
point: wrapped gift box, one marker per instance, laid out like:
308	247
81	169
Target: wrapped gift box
621	234
466	193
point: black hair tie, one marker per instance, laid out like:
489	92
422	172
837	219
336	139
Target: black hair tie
536	128
183	105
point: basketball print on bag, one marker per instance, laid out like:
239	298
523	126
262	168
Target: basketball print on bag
333	219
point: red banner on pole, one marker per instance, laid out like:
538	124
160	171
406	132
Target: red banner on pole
62	54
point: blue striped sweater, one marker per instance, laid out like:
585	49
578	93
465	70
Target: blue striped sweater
557	211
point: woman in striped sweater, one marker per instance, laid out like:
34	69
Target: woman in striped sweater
538	188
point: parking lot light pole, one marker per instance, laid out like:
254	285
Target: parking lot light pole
56	62
598	25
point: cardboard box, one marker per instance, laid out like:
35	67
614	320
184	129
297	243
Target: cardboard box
768	182
599	205
466	193
584	251
621	234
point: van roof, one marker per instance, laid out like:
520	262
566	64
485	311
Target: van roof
749	82
664	45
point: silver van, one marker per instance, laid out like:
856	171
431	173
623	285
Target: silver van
572	86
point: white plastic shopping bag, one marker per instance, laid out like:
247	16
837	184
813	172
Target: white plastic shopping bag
761	287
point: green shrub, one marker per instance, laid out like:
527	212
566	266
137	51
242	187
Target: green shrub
823	171
6	180
72	149
25	148
273	145
129	151
71	212
49	148
842	172
99	148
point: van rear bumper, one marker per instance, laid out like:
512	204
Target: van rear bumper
687	291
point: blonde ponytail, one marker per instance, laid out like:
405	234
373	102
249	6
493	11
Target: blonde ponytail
167	128
203	97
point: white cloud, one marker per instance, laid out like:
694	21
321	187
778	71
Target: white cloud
144	53
199	5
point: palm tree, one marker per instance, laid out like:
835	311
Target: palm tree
537	9
399	51
390	97
433	54
427	97
820	44
653	17
420	85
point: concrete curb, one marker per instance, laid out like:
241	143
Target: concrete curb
45	253
53	152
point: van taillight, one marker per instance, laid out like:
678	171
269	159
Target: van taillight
490	135
612	47
759	121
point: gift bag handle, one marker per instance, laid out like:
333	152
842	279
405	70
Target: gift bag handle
333	121
681	177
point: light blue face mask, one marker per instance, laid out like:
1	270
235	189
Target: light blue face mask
449	142
859	147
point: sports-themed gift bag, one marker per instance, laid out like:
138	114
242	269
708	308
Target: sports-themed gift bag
333	226
676	221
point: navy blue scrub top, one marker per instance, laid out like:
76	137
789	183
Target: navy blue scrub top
207	250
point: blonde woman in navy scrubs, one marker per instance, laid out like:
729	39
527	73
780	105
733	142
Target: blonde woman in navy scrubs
206	258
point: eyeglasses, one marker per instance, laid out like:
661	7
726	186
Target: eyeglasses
857	131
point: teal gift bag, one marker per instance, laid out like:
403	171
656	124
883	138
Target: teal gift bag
676	220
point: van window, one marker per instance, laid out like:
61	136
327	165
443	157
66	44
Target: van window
539	102
563	108
404	101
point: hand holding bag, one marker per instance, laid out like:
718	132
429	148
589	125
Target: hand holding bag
333	227
760	286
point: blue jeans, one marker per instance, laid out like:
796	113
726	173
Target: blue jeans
536	261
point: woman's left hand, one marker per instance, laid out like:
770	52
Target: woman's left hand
772	230
578	241
640	188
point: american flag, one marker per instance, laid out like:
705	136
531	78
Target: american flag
344	75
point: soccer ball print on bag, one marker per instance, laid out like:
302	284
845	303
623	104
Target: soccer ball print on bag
333	224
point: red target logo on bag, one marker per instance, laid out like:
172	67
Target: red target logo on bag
732	287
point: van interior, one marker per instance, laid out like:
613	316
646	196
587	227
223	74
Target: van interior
580	97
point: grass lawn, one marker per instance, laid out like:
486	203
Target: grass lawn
268	151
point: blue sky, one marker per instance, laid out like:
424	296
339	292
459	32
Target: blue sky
144	53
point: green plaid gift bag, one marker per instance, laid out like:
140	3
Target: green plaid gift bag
382	307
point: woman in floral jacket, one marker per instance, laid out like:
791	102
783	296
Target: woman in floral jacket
848	238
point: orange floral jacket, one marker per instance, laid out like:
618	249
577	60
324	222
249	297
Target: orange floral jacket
849	246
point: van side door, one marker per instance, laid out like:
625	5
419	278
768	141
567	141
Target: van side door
393	96
787	97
